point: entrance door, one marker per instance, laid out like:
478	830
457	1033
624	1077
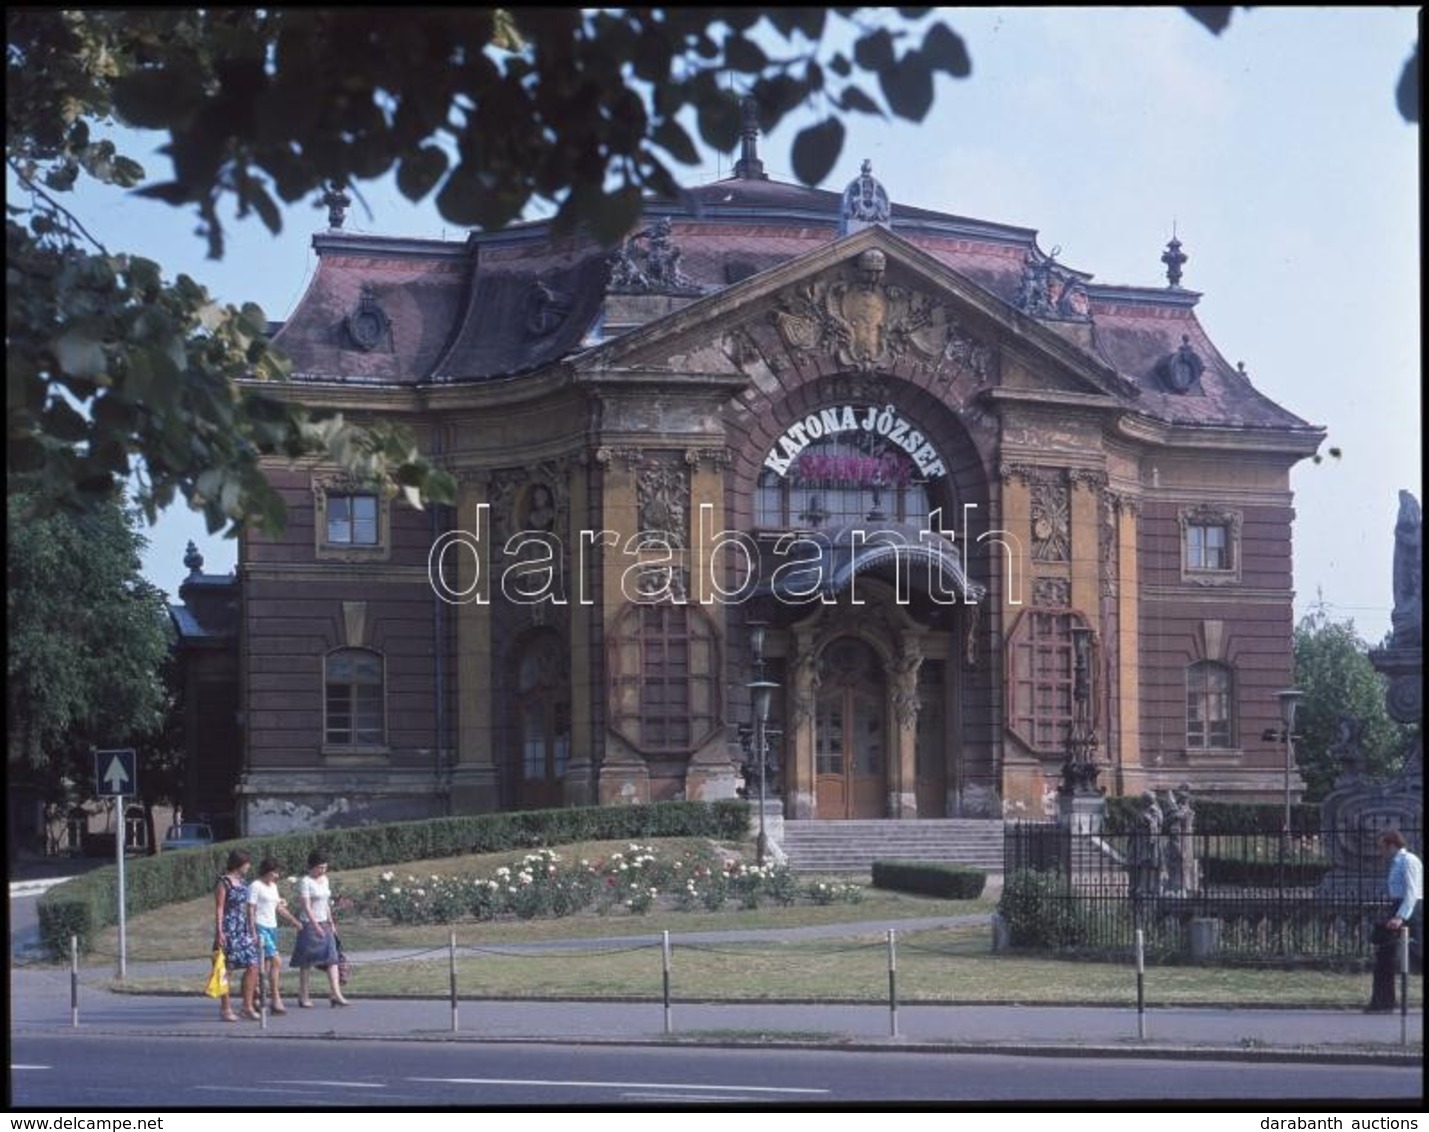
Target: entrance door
850	733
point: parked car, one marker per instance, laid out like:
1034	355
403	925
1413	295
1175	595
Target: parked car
188	835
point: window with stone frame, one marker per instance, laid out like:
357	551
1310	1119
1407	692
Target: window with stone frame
1041	672
1210	714
665	677
352	520
1210	544
354	703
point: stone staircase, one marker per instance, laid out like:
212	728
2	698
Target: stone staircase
853	846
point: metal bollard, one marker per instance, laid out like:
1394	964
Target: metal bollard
1140	984
892	985
451	963
74	981
665	953
1404	984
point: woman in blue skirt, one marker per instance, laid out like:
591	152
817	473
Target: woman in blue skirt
317	938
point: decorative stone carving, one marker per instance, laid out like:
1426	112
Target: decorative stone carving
1180	372
1051	523
716	457
868	326
1049	291
865	202
1407	619
1093	479
657	583
974	616
546	309
368	325
1108	549
1052	593
905	682
663	491
649	263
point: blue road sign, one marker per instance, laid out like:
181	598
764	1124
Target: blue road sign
116	773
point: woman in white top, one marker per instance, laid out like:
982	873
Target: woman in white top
265	905
317	937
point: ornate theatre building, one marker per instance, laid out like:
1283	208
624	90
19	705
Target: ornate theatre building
913	449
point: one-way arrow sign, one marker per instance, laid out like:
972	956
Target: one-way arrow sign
114	773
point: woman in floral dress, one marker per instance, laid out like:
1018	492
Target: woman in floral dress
232	934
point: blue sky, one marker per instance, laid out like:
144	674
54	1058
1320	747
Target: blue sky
1275	150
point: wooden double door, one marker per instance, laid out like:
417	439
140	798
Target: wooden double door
854	741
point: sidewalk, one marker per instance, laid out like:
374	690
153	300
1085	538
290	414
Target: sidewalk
40	1002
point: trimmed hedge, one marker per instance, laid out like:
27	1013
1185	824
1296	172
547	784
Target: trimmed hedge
1262	873
930	878
1222	817
87	904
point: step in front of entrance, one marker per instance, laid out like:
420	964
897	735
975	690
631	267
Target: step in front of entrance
853	846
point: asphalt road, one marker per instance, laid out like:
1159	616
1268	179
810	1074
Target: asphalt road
82	1072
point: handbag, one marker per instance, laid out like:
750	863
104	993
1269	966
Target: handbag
217	977
344	965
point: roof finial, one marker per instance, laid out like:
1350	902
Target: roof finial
1173	257
193	559
749	167
337	202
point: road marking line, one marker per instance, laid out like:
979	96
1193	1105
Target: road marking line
336	1084
612	1084
31	1067
248	1089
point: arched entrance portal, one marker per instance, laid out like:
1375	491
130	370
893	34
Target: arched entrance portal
850	732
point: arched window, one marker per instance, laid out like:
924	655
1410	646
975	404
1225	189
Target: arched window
665	687
355	698
1209	709
858	477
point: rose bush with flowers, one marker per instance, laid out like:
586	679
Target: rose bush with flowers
633	880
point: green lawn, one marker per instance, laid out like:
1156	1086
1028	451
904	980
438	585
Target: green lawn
946	965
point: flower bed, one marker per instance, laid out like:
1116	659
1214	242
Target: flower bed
633	881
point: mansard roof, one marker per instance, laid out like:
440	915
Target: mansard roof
501	304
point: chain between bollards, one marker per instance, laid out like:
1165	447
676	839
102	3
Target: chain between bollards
665	956
74	981
1141	984
892	984
451	964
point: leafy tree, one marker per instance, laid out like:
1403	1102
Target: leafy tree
88	638
1332	667
113	371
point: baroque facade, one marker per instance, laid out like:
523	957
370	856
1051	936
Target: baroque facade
913	446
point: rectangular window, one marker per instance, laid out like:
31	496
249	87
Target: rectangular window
1040	706
1208	707
352	520
1207	547
354	698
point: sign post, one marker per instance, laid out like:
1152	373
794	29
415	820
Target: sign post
115	776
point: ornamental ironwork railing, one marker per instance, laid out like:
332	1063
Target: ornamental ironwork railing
1232	896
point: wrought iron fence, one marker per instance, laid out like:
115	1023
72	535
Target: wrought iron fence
1245	896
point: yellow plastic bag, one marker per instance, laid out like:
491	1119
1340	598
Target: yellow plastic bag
218	977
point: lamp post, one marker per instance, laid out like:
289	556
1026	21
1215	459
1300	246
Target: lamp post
1289	700
761	693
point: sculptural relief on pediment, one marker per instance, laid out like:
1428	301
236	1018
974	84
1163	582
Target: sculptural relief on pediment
866	324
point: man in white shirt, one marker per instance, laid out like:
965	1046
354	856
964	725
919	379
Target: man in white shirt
1405	884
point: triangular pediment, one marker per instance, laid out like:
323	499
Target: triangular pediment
867	303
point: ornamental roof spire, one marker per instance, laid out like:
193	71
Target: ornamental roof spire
749	167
